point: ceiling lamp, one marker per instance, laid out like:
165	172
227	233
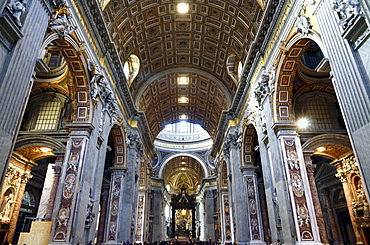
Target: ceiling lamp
183	100
183	116
183	80
302	123
45	149
321	148
183	8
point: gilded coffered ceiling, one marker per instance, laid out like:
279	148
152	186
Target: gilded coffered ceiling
183	171
198	42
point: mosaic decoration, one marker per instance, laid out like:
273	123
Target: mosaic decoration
114	208
139	222
69	189
303	219
253	214
227	217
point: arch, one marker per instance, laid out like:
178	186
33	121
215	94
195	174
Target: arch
182	70
36	140
337	145
286	71
192	155
77	64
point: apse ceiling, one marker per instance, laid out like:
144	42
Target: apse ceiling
183	171
170	44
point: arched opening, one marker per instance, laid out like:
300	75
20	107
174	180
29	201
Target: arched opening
38	155
111	184
340	190
131	68
255	183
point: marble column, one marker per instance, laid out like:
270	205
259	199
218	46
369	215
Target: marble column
17	205
57	171
253	204
103	213
315	198
333	223
351	84
69	219
264	213
227	226
306	228
158	215
209	211
113	223
129	190
237	187
343	176
17	64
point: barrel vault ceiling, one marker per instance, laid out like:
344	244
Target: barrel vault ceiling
196	44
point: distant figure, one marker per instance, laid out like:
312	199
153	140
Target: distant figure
278	242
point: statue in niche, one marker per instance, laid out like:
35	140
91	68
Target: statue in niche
17	9
90	215
6	207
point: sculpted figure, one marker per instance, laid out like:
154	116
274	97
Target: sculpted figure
17	8
6	206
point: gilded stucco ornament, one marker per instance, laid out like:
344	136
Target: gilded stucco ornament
347	10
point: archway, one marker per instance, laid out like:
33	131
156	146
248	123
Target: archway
115	160
340	189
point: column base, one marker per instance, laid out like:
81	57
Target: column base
257	243
38	235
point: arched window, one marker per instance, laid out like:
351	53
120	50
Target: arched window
131	68
234	68
46	111
312	57
320	109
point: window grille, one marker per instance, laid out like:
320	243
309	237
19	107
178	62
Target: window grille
48	116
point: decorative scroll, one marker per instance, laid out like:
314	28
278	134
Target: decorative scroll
298	194
253	214
139	220
69	189
114	208
227	218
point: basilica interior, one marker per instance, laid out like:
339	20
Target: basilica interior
184	121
